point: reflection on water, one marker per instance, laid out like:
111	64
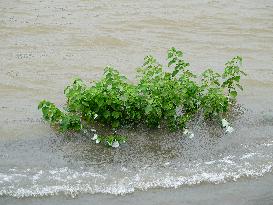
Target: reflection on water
43	45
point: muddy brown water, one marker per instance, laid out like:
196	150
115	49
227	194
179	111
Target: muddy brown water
45	44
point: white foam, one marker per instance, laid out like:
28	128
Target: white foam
73	182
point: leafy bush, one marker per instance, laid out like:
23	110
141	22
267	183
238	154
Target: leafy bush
160	98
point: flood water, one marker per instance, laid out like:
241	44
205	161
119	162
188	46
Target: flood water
45	44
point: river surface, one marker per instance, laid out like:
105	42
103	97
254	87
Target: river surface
45	44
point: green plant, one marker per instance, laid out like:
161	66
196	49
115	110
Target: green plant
65	121
160	98
232	76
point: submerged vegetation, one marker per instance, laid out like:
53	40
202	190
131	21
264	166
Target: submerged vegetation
160	98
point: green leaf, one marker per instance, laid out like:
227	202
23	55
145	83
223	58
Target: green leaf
170	54
41	104
148	109
116	114
179	53
171	62
106	114
175	72
233	94
237	78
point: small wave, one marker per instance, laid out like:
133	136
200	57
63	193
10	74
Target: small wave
38	183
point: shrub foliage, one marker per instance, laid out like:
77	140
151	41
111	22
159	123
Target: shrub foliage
160	98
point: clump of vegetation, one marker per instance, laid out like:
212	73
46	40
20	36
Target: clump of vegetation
160	98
